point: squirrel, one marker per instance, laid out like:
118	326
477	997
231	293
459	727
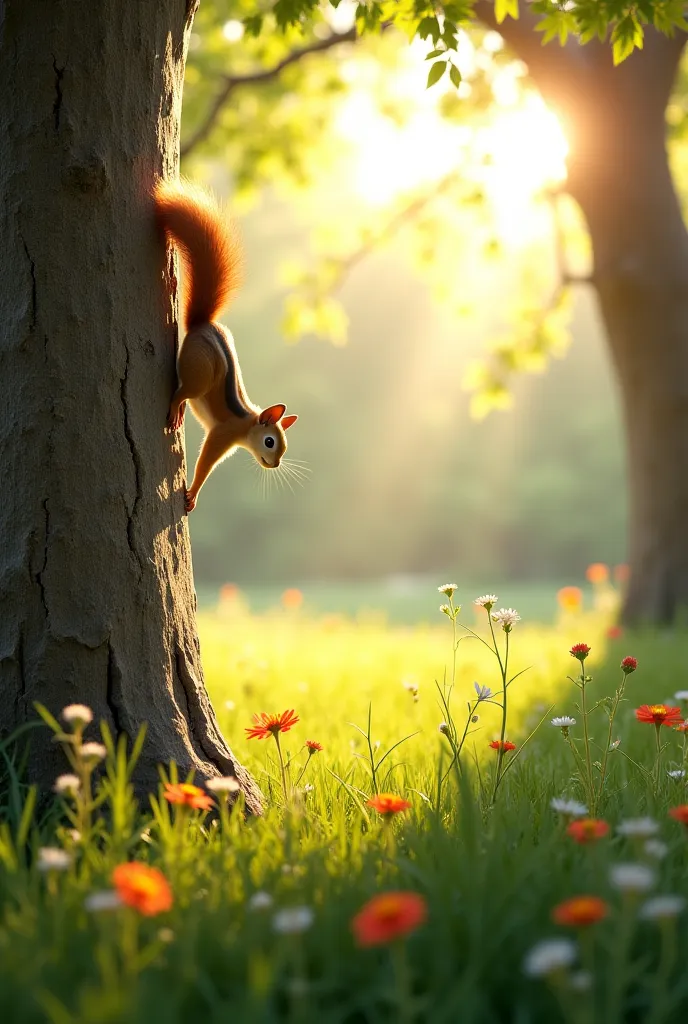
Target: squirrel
208	372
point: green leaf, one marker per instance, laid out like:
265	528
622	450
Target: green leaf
435	53
436	72
455	75
504	9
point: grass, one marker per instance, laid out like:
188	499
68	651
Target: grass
490	874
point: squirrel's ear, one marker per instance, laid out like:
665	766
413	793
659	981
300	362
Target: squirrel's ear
272	414
287	422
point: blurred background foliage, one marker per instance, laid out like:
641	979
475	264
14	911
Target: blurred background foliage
421	233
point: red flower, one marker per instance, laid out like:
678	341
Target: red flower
144	888
680	813
271	725
658	714
682	726
313	746
580	651
580	911
188	795
389	916
586	830
506	745
614	632
629	665
388	804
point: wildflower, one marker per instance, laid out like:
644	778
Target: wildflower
260	901
293	920
313	747
447	589
142	887
614	632
614	745
587	829
656	848
487	601
309	787
388	804
506	745
389	916
598	572
271	725
638	828
506	617
549	956
580	911
223	784
92	752
676	773
564	722
444	728
77	715
186	795
292	599
580	651
682	726
568	808
67	784
629	665
632	877
570	599
660	908
681	695
52	858
446	610
484	692
659	714
412	688
104	899
680	813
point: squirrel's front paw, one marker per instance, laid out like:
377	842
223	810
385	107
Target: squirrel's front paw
189	501
175	419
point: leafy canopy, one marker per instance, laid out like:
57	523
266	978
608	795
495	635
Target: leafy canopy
620	20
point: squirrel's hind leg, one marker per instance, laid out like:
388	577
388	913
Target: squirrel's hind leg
195	374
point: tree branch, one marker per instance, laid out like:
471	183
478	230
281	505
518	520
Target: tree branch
232	82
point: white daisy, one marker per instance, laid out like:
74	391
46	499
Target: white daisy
260	901
67	783
549	956
569	808
105	899
448	589
487	601
77	714
563	722
224	784
52	858
681	695
506	617
293	920
92	752
677	773
638	828
662	907
656	848
632	877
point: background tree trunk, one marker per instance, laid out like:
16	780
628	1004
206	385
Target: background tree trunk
96	594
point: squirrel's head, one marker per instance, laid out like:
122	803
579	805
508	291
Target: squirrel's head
266	440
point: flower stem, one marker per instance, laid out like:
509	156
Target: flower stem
603	769
667	958
405	1014
586	739
503	669
282	771
658	757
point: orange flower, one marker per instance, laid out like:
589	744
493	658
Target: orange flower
188	795
580	911
144	888
598	572
658	714
388	804
389	916
271	725
292	598
614	632
680	813
570	599
313	746
682	726
506	745
586	830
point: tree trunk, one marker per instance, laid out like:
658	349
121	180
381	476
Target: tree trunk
96	593
620	176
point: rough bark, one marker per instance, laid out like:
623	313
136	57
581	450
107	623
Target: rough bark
619	175
96	593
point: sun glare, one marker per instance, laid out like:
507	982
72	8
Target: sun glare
514	155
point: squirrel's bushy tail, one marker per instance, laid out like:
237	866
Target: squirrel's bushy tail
211	252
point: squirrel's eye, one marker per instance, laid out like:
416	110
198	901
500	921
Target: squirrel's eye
269	442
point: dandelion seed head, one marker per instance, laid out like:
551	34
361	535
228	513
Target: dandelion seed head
293	920
260	901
